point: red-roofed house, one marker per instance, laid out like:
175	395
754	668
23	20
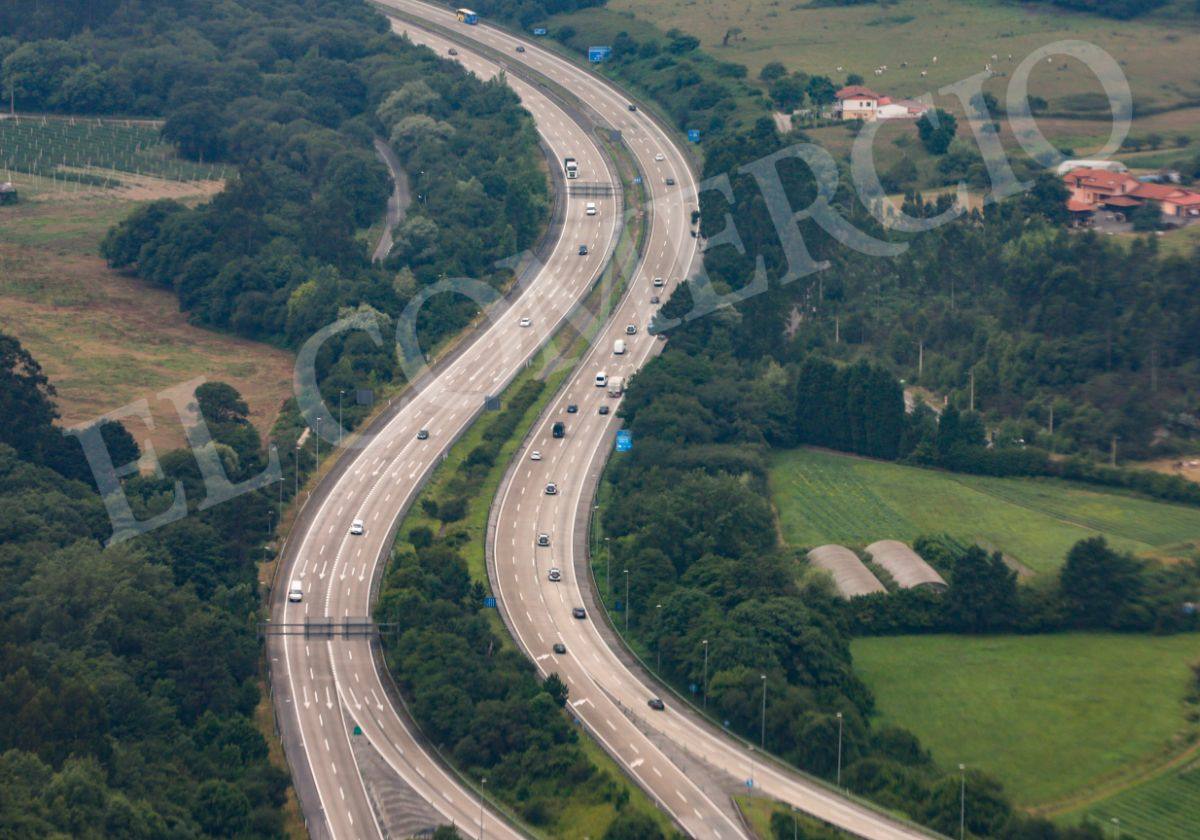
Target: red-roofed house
855	102
1099	188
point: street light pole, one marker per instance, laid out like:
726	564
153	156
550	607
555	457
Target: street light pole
317	463
763	739
482	782
658	639
1116	821
705	643
608	567
962	803
839	763
626	600
340	426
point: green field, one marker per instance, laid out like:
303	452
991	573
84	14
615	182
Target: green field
1154	51
1166	808
825	497
1053	717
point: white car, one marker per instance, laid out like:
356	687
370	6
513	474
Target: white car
526	322
601	380
631	329
554	575
658	282
660	157
535	455
591	208
551	489
357	528
295	592
543	540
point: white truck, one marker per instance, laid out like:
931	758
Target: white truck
571	167
616	386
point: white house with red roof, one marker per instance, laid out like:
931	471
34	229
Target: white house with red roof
856	102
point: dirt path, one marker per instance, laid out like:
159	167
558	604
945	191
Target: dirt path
398	202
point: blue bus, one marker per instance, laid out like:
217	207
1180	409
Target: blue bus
467	16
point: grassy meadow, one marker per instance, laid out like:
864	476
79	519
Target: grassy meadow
1056	718
824	497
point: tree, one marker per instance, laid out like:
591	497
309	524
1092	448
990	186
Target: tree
633	825
983	592
221	809
25	400
221	404
1095	582
936	129
557	689
197	130
1147	217
788	92
771	71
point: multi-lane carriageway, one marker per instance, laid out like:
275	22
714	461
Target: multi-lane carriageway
325	688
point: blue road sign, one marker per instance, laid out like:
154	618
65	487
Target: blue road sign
541	30
694	135
489	601
598	54
624	440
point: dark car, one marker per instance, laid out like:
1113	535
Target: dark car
453	51
604	409
558	430
656	704
423	434
583	251
560	648
670	182
520	48
654	299
632	107
579	612
572	408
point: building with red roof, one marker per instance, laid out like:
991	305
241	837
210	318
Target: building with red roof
1098	189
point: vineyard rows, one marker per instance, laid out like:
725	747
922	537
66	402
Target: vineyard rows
91	152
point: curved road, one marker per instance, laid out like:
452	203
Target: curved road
324	687
606	695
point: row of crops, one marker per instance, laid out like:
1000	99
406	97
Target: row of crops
1165	808
92	152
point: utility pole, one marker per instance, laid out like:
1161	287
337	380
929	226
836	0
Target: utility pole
839	761
658	640
340	426
962	803
972	390
920	358
762	741
1051	418
837	330
626	600
608	566
1112	455
705	643
482	782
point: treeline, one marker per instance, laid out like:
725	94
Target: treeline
1097	588
293	95
129	675
690	518
476	696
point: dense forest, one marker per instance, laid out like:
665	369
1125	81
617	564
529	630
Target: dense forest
294	94
129	675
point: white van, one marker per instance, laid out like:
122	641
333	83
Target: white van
591	208
295	592
619	347
601	380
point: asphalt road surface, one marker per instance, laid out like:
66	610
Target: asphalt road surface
325	687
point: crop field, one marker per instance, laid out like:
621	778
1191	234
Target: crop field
1167	807
826	497
1056	718
1155	52
92	152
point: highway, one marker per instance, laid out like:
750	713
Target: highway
326	687
605	694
